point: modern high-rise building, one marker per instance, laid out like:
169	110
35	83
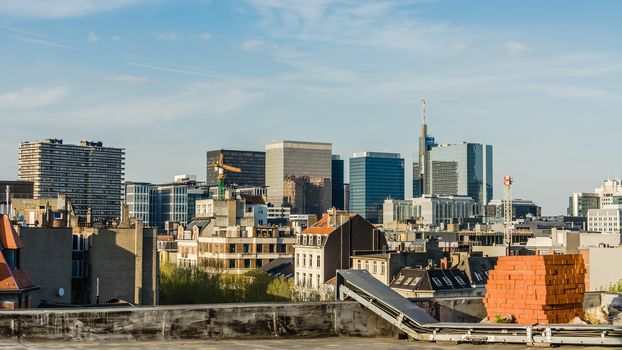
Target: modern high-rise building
609	193
421	166
298	175
463	169
337	178
252	164
154	205
374	177
90	174
346	197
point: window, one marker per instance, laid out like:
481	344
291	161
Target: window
304	260
437	282
318	261
460	281
318	280
259	248
375	268
448	281
247	263
297	260
304	279
382	268
310	260
478	277
246	248
231	248
358	262
271	248
231	264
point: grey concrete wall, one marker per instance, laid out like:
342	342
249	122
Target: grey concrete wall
468	310
196	322
46	257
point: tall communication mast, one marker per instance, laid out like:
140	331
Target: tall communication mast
507	213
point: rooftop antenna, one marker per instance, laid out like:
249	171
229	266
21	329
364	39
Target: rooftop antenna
423	110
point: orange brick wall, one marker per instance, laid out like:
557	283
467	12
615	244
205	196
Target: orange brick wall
537	289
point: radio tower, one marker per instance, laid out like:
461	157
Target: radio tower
507	213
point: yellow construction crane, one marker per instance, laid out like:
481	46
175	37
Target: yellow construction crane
220	167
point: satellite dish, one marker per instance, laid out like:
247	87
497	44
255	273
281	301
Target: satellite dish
60	292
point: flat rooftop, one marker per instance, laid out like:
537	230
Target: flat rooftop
341	343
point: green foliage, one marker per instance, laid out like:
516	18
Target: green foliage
614	287
206	285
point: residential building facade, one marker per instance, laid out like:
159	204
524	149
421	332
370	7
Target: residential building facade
90	174
374	177
327	246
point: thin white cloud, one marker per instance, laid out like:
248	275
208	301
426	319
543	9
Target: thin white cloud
205	100
36	38
92	38
43	42
515	47
166	36
182	70
116	38
60	8
31	97
127	78
253	45
205	36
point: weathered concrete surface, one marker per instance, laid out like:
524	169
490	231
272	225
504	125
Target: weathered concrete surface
463	310
222	321
341	343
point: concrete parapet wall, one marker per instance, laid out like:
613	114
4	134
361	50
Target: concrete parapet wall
222	321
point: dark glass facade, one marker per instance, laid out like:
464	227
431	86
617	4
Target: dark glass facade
252	164
375	177
337	178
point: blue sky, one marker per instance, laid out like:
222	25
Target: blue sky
168	80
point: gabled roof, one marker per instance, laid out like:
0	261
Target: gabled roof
431	279
322	228
11	279
477	268
8	237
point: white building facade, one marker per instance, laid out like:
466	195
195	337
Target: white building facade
604	220
432	210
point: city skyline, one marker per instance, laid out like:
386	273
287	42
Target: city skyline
170	81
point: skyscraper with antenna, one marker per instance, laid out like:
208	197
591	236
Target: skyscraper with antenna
421	166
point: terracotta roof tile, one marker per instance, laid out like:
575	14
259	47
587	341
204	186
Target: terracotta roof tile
321	227
8	236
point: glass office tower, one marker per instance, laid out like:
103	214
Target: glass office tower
298	175
337	178
375	177
462	169
252	164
